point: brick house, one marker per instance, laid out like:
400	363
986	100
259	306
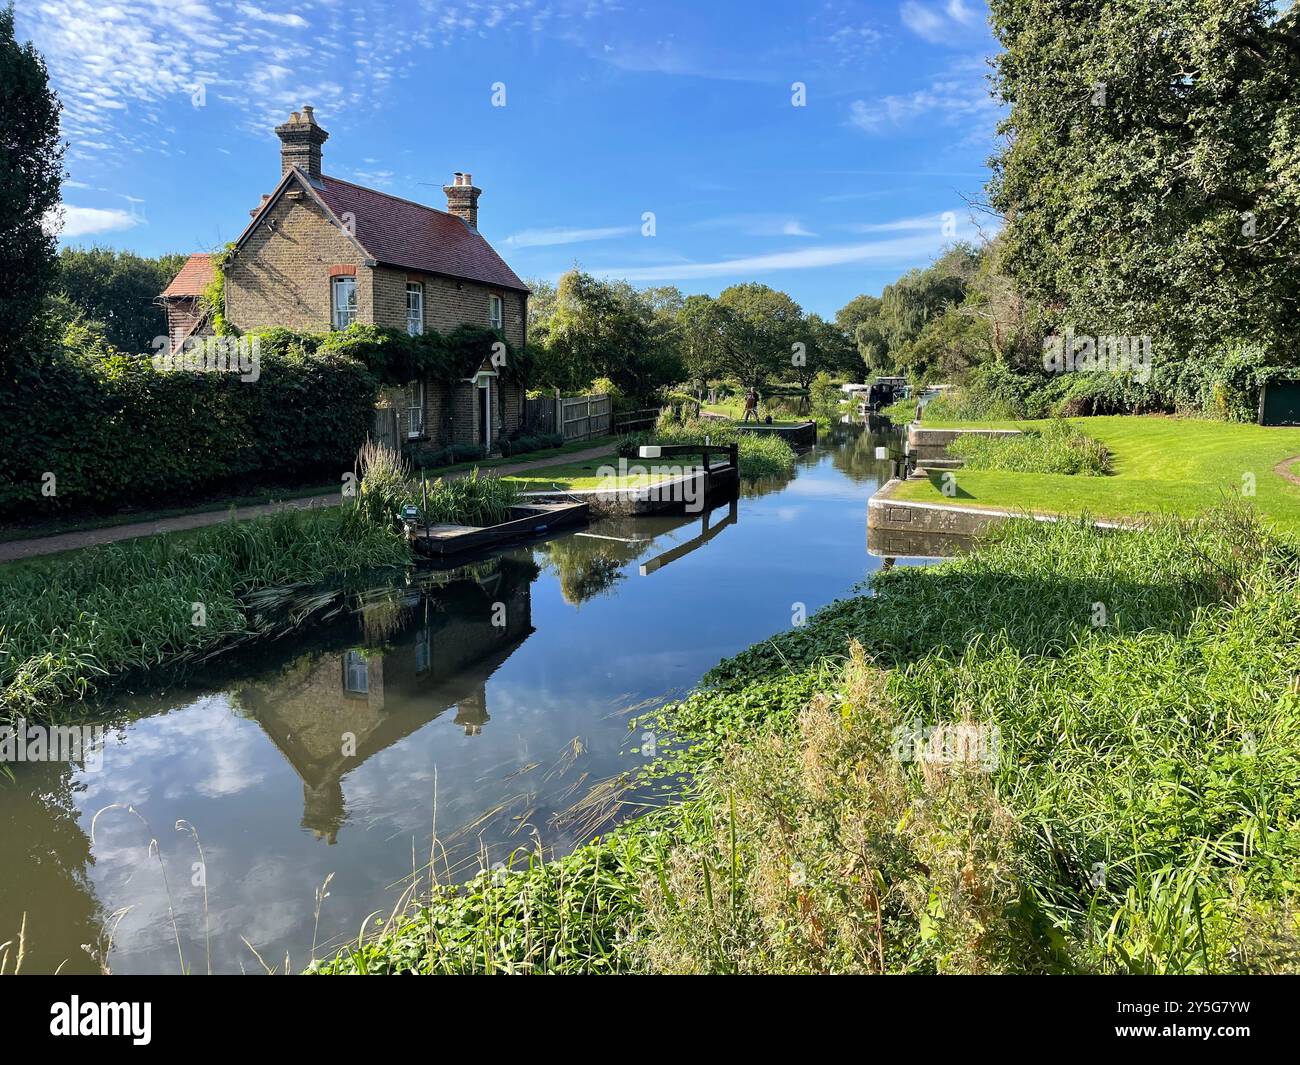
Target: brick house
321	253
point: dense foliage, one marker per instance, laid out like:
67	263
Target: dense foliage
397	358
93	428
1151	188
608	337
31	173
586	329
117	291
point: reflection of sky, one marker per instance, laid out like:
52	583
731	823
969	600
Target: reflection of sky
649	637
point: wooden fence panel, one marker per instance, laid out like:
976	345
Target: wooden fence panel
583	417
539	415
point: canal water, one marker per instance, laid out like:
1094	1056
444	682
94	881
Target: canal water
487	705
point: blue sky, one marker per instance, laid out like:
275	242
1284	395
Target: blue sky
612	110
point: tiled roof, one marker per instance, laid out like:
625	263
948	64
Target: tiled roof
401	233
193	278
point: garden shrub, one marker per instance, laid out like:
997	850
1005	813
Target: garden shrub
1223	383
434	458
1058	447
526	442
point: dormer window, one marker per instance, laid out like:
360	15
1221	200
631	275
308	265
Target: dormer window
494	311
414	308
343	301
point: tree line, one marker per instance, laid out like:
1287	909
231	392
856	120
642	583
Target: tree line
584	329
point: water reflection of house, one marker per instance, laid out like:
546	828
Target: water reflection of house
329	713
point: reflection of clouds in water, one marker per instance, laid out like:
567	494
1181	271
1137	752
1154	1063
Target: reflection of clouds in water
823	488
204	745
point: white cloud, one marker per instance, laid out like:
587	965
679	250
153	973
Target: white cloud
924	22
541	238
958	11
954	100
84	221
259	15
756	225
899	250
901	225
119	66
939	26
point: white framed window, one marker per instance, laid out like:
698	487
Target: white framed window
423	651
414	308
494	311
356	673
415	420
343	301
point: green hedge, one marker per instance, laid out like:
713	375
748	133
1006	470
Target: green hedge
115	431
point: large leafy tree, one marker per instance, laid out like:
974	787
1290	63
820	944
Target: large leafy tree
829	351
924	294
1151	178
761	327
31	173
119	290
606	329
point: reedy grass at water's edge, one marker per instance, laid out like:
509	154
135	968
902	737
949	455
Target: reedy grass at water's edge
70	625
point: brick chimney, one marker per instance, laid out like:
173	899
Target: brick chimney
462	198
300	141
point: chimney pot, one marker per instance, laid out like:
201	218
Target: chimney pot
462	198
300	143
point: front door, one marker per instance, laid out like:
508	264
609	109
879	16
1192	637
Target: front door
485	413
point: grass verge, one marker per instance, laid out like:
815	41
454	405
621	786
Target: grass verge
71	624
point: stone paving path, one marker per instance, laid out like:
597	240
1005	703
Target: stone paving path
13	550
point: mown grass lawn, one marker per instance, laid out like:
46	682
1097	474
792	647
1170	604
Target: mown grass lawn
735	410
1161	465
578	476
